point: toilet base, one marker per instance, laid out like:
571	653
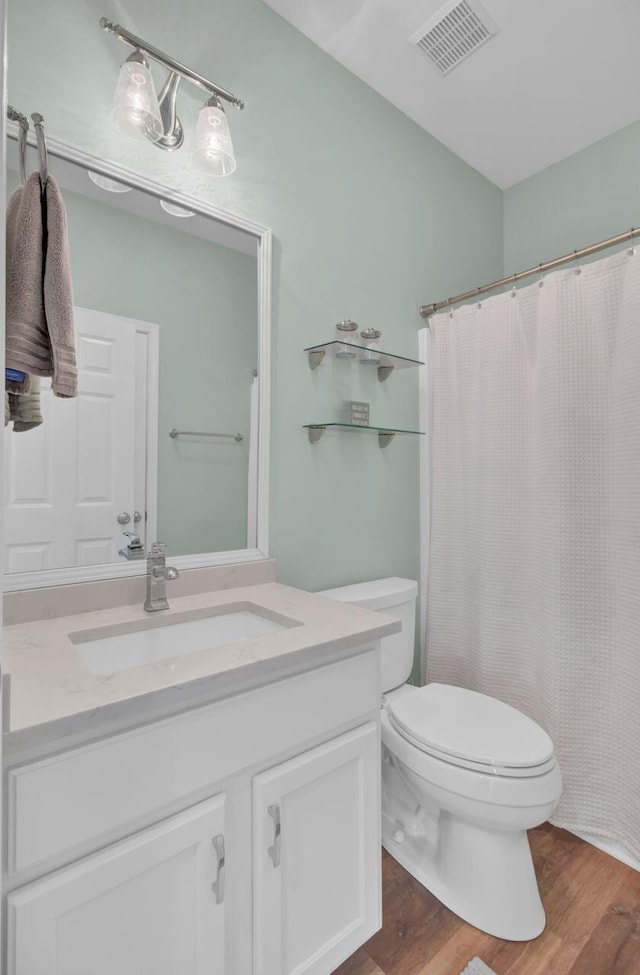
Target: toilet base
485	877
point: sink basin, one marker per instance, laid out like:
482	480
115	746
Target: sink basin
120	647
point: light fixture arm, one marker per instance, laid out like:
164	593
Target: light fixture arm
173	66
172	127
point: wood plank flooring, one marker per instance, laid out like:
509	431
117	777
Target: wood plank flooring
592	903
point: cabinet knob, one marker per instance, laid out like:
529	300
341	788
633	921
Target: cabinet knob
123	518
218	886
274	851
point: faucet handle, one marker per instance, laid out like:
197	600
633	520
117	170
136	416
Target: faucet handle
134	540
133	549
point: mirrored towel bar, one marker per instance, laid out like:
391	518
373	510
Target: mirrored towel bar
200	433
15	116
38	124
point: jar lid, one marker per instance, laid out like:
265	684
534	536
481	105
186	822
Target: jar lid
370	333
347	326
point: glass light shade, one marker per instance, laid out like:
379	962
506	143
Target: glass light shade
135	109
213	149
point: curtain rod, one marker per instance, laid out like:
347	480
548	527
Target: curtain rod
427	310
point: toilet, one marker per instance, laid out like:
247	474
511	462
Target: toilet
464	776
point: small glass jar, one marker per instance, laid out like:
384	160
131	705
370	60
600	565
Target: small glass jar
347	332
370	338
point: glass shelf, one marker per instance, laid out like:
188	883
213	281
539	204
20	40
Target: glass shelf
384	361
385	434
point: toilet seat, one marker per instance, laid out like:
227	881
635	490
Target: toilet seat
471	730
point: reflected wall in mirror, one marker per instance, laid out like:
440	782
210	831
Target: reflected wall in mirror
171	316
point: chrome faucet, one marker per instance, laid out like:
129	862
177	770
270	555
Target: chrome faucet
157	574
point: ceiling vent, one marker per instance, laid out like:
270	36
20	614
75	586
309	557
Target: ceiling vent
456	31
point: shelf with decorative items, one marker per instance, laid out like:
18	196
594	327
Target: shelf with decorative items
366	355
385	434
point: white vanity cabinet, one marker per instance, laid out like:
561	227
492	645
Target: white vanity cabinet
151	903
316	856
239	838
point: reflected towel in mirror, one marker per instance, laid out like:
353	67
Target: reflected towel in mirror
40	336
27	339
24	411
58	294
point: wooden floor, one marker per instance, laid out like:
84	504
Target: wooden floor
592	903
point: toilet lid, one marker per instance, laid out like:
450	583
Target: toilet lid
463	727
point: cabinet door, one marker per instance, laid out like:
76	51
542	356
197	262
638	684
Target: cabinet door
317	856
149	905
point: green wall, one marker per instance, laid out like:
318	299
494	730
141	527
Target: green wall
587	197
371	217
203	297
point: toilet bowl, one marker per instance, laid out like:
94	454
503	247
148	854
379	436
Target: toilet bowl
464	776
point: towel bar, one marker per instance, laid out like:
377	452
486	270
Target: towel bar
199	433
15	116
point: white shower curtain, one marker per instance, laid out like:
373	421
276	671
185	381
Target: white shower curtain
534	557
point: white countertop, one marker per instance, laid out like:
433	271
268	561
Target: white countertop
53	694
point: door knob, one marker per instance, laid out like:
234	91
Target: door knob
123	518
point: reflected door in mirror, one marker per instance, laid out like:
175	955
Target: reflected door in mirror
70	481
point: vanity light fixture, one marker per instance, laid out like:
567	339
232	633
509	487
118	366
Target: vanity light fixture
139	112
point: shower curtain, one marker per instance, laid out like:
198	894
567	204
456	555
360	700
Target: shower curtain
534	555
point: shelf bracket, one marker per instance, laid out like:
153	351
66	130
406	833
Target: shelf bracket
316	433
384	439
315	358
384	372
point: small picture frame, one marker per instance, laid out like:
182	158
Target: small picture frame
357	413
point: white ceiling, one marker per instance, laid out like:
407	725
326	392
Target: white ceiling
560	75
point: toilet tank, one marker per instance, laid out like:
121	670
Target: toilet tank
393	597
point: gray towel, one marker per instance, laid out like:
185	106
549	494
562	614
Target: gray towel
27	340
40	334
25	410
58	294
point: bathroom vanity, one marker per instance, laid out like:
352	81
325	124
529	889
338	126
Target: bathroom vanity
213	812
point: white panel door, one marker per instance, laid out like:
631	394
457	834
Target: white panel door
150	905
68	480
317	885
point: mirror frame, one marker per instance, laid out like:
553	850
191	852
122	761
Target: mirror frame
118	570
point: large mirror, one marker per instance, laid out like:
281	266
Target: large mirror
168	436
